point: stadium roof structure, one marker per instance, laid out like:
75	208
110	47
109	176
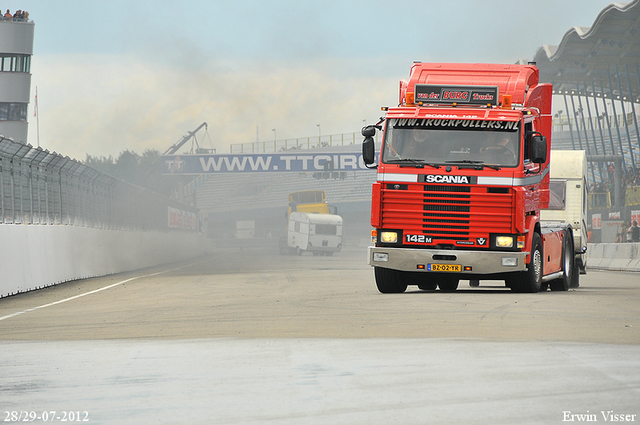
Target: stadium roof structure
600	61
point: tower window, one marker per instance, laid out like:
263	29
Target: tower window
15	63
13	111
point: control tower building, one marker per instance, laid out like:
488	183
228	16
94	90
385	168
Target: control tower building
16	49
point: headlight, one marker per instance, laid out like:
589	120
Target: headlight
504	241
388	237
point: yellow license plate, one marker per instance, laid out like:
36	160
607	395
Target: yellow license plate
444	267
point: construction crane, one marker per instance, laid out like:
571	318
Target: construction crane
173	149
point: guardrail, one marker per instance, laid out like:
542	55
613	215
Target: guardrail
42	187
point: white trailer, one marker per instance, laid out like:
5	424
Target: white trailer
568	200
318	233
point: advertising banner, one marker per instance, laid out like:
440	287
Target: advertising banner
596	221
179	219
260	163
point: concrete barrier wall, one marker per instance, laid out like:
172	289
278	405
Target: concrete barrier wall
32	256
614	256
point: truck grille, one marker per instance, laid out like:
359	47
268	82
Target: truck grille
455	213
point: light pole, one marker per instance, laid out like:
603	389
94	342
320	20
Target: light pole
274	134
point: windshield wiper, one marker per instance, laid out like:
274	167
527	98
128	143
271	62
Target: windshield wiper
420	163
479	164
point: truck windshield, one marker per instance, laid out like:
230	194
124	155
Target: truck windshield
444	141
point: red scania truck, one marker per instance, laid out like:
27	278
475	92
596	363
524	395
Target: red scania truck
463	174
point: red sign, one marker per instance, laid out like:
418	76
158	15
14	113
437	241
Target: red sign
179	219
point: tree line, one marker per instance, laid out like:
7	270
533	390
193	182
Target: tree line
142	170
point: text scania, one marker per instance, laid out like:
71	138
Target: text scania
447	123
434	178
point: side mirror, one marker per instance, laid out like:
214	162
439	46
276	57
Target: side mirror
538	148
368	150
369	131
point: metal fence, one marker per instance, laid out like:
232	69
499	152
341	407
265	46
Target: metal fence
42	187
326	141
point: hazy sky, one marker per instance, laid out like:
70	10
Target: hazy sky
116	75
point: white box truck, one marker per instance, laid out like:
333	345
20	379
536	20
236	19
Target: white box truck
568	200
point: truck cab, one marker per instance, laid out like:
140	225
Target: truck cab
463	174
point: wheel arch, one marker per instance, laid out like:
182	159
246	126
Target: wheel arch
533	226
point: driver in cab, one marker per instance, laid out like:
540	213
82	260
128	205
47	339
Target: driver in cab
409	146
414	145
502	150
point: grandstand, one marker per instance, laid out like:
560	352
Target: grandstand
600	136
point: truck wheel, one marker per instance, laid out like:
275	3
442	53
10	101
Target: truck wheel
448	284
530	280
568	267
575	277
426	283
423	280
390	281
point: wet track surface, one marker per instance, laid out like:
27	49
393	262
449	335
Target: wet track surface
255	337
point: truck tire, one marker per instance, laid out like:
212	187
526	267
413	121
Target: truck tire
448	284
390	281
575	277
425	282
530	280
568	266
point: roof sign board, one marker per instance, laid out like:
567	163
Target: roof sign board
470	95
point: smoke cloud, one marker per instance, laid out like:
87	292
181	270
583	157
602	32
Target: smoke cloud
103	104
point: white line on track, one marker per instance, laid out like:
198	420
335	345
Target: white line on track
92	292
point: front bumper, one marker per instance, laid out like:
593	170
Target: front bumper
480	262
